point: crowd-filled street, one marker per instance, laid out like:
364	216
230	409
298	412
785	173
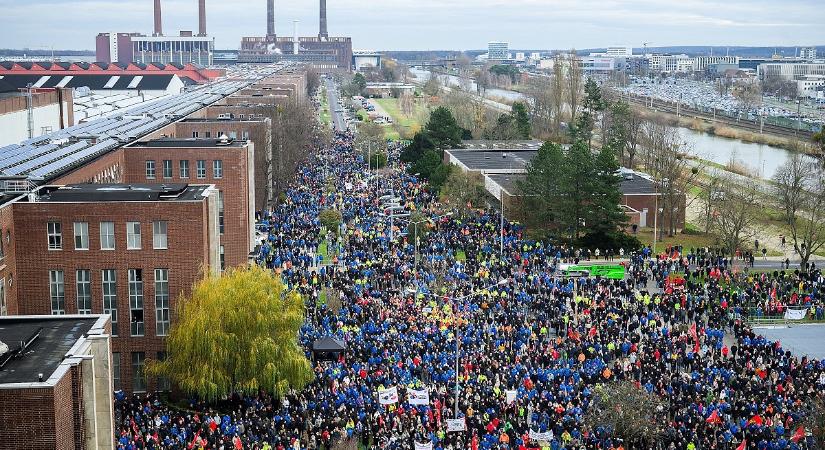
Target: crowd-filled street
533	346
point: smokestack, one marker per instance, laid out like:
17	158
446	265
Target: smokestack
323	31
201	17
270	19
296	43
158	23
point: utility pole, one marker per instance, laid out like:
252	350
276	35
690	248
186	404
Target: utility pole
30	110
501	252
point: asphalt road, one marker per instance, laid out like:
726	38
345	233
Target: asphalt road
336	111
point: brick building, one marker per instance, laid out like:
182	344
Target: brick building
249	127
55	383
228	164
125	250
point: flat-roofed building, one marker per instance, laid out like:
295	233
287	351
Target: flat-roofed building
127	250
56	383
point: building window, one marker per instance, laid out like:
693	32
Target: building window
167	168
55	235
159	241
107	235
208	134
223	260
116	371
195	134
138	376
133	235
162	301
109	277
163	383
2	246
81	235
150	169
201	168
184	168
3	309
233	135
57	292
220	211
217	168
136	302
245	135
84	291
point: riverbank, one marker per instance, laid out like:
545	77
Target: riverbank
727	131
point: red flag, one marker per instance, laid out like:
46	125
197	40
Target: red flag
757	419
592	332
714	418
695	336
742	445
800	434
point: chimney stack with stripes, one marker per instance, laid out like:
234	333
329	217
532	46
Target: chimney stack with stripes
201	17
270	20
323	34
158	22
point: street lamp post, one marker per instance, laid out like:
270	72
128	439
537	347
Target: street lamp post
456	301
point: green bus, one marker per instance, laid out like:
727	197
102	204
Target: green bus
612	271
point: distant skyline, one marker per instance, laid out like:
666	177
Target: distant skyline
433	24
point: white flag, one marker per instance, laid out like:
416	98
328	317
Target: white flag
511	397
388	396
421	397
541	437
456	425
795	314
427	446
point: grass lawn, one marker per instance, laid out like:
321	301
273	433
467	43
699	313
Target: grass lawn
685	240
323	250
326	117
391	106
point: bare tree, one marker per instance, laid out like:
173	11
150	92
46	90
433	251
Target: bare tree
462	192
711	194
574	83
799	190
630	412
406	104
671	162
539	93
557	89
737	214
749	94
433	86
635	132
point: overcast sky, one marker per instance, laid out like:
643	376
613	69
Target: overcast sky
434	24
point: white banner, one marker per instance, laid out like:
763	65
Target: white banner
427	446
795	314
421	397
456	425
541	437
511	397
388	396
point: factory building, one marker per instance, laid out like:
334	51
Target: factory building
325	53
25	115
186	48
121	216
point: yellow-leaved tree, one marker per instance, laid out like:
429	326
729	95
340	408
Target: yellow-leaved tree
237	332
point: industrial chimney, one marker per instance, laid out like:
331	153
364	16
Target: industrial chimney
270	20
296	44
158	23
322	34
201	17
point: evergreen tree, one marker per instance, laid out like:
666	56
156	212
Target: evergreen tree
579	186
593	99
443	130
542	186
522	120
606	216
420	143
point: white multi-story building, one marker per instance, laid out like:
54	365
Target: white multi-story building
811	87
619	51
790	71
700	63
807	53
670	63
498	50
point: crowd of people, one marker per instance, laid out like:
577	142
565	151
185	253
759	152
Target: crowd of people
502	341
